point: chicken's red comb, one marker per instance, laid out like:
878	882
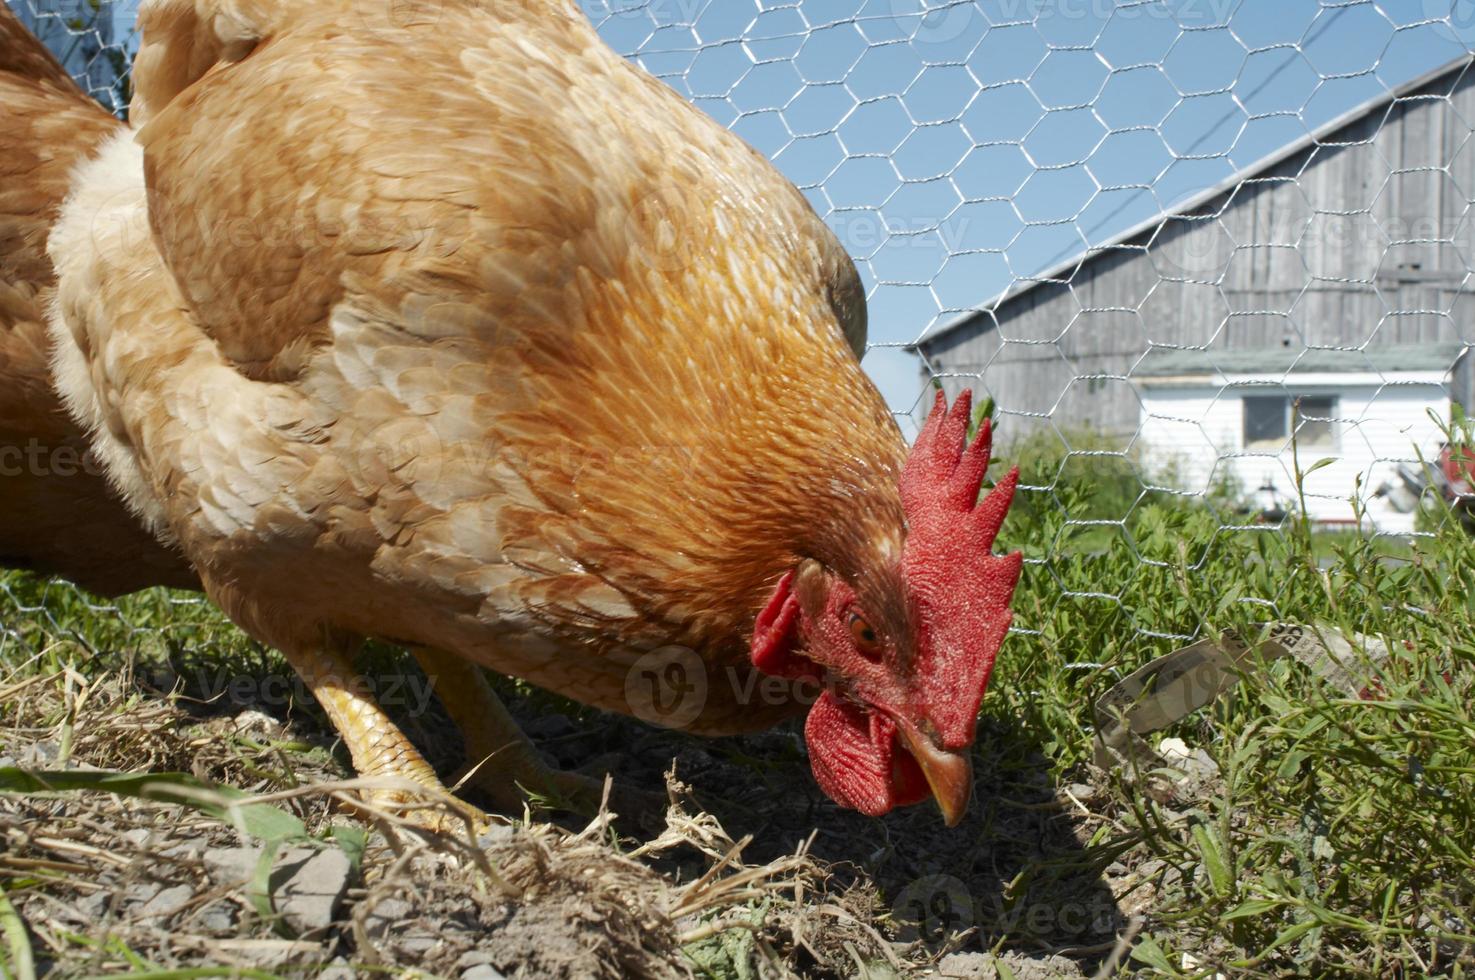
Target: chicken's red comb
962	589
942	477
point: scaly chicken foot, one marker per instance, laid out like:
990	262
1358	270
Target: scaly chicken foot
502	762
377	746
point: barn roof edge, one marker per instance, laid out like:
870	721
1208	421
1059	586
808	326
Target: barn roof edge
1056	272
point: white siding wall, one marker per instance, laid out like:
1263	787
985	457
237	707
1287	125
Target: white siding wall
1198	431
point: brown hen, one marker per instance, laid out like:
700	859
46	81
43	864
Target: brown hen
460	330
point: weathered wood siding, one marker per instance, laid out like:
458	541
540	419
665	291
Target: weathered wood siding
1366	237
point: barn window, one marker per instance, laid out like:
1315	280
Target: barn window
1316	426
1268	420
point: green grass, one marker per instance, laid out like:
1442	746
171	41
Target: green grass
1341	837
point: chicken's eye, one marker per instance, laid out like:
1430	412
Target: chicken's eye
864	636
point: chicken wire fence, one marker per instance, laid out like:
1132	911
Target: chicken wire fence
1182	246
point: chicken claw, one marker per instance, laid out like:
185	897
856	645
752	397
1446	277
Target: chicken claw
502	762
378	748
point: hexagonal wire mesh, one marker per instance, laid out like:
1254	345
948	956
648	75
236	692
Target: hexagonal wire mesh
1163	236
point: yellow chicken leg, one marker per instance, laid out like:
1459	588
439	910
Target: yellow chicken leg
376	744
500	756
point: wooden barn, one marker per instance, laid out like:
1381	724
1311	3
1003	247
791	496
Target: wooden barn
1334	275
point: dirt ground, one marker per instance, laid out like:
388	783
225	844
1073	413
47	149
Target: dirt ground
755	872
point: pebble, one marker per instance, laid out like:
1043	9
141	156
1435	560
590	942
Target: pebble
166	902
1084	792
312	886
34	755
141	893
257	721
985	966
231	866
187	849
473	957
482	971
138	836
339	969
496	834
307	883
218	917
382	918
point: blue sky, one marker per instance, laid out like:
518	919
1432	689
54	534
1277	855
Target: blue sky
958	145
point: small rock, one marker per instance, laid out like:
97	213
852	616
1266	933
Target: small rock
392	922
192	848
339	969
384	915
1083	792
308	885
84	911
1193	763
93	906
1150	869
252	720
231	866
967	966
166	902
35	755
473	957
416	942
218	917
495	834
138	836
1173	749
483	971
141	893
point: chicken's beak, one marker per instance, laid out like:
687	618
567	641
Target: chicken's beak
948	774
